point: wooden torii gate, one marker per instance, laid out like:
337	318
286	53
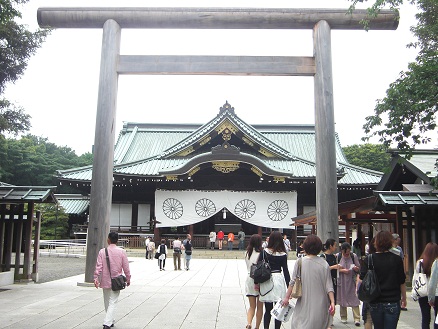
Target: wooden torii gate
112	20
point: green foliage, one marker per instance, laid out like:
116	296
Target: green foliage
33	161
409	108
12	118
54	222
371	156
17	45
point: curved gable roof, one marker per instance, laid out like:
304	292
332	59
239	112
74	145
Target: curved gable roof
226	115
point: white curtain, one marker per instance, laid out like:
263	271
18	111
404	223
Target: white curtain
266	209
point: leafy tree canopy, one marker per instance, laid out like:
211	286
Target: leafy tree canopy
54	222
33	160
409	108
17	45
371	156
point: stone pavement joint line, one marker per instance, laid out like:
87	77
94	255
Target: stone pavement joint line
211	295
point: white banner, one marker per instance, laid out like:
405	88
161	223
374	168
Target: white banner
266	209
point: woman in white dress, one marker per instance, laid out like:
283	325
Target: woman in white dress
316	283
251	290
273	290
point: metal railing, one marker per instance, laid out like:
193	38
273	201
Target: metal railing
67	247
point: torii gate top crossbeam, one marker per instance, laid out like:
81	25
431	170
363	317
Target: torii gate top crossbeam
213	18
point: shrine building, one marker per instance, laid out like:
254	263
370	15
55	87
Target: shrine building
224	174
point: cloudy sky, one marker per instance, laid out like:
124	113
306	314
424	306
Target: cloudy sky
59	88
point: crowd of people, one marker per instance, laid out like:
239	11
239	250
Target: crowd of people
320	269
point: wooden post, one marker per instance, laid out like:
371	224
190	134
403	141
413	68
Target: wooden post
326	178
18	238
36	246
27	269
2	233
9	239
102	178
410	252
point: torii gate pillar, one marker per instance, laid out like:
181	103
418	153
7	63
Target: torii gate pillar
326	178
104	140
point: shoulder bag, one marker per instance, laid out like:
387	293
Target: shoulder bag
297	288
419	283
369	289
260	272
119	282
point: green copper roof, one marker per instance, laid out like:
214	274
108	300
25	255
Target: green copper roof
152	150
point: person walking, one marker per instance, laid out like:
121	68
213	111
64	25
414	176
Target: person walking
162	249
151	249
118	261
346	289
273	290
230	240
424	265
286	242
251	290
212	237
316	284
177	254
385	309
187	245
329	250
220	237
146	243
241	237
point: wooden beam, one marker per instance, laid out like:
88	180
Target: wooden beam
217	65
212	18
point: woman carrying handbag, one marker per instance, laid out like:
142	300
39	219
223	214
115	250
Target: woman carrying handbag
424	266
312	310
275	288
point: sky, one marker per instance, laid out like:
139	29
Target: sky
59	87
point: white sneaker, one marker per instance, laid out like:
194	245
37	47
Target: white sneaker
344	321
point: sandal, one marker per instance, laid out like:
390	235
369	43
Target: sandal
248	326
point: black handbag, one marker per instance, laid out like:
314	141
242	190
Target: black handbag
157	255
119	282
369	289
260	272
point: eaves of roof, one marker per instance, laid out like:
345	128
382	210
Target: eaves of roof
23	194
73	203
407	199
355	175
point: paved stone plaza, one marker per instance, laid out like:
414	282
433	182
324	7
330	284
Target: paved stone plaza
209	296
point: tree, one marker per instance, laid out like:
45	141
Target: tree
54	222
409	108
371	156
33	160
17	45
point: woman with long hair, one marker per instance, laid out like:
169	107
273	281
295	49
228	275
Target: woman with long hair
251	257
385	309
272	290
329	250
346	295
424	265
317	289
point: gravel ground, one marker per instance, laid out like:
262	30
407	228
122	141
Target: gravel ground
55	268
